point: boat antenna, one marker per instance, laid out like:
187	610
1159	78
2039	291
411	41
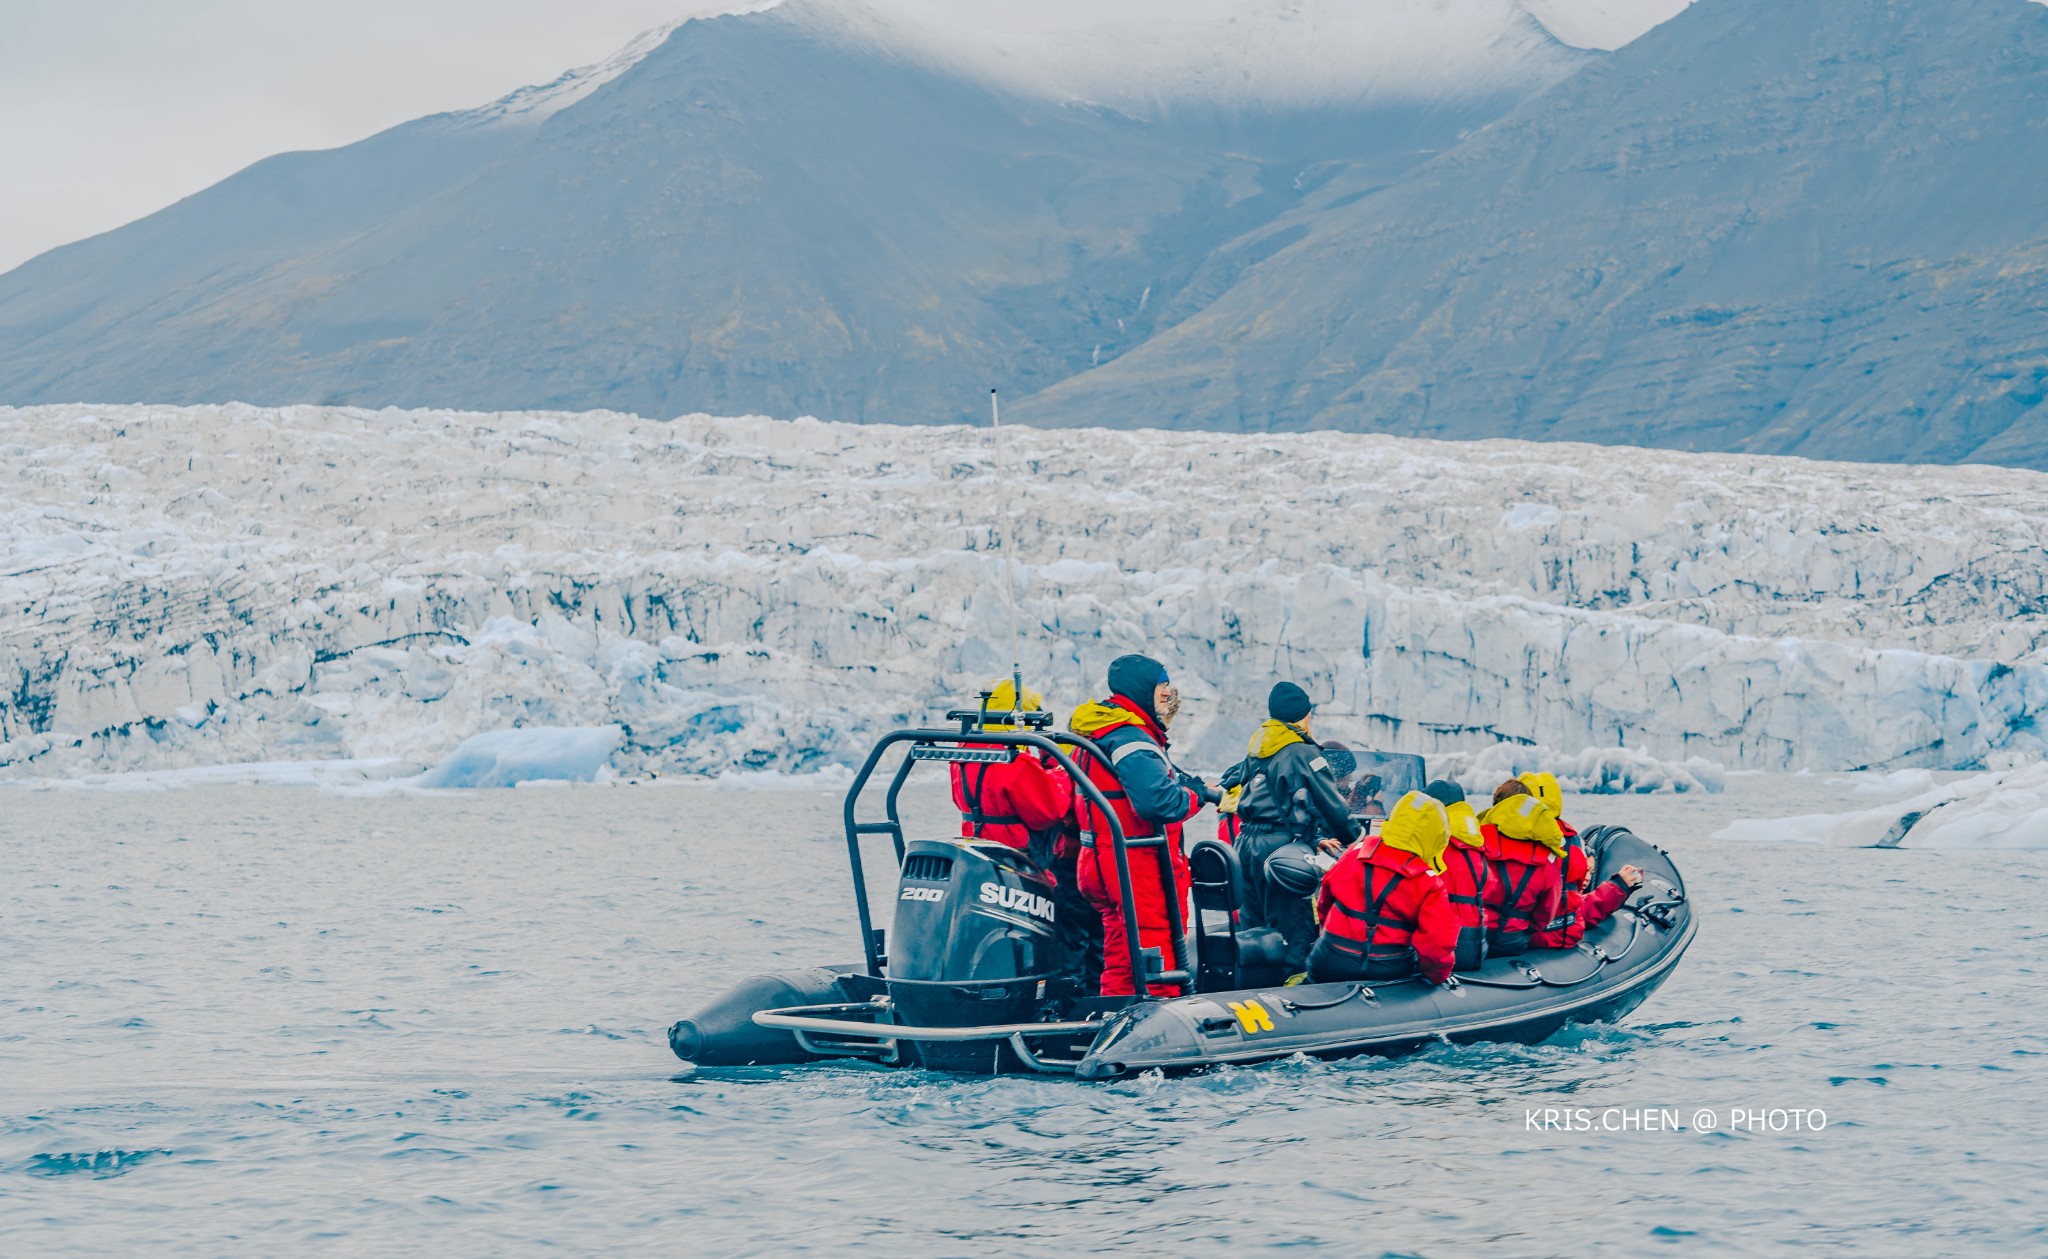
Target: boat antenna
995	419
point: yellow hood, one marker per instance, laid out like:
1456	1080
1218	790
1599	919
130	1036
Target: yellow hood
1545	788
1004	700
1527	817
1092	718
1464	824
1419	825
1271	737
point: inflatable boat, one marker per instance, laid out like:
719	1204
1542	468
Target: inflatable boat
959	981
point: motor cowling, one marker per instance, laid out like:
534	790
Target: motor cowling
973	936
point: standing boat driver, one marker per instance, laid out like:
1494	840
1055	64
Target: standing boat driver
1290	805
1150	797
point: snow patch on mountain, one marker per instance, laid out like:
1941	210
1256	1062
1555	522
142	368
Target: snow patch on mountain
1149	52
1142	55
542	100
217	585
1603	24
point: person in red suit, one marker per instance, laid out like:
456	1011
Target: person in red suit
1023	802
1526	850
1383	906
1151	797
1467	874
1584	906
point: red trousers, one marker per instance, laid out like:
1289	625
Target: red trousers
1154	928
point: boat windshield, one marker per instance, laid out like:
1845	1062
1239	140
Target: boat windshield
1373	781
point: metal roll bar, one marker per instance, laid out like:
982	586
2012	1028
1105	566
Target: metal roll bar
944	744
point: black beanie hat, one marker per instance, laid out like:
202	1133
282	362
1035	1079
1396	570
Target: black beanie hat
1135	678
1445	792
1288	702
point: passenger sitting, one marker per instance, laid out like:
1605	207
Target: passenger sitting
1027	803
1383	907
1584	907
1525	847
1023	803
1466	872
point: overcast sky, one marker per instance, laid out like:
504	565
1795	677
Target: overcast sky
111	109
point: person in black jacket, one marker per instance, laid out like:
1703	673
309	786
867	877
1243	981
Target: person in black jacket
1291	807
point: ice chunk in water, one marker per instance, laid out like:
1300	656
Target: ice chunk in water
1997	810
506	758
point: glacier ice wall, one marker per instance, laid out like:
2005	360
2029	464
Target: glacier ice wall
1595	771
207	585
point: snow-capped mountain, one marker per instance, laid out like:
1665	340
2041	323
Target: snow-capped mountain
224	584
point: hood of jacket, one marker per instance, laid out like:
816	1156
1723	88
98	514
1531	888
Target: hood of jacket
1003	699
1093	719
1527	818
1271	736
1418	825
1464	824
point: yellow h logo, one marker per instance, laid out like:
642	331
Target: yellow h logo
1252	1017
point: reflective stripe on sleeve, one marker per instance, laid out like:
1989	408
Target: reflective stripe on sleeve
1116	757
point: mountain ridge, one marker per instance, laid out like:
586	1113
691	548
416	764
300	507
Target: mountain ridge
754	216
1739	232
1843	308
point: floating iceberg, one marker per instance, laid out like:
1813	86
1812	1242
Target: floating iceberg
1596	771
1996	810
507	758
187	586
1899	782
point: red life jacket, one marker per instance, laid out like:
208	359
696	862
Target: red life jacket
1361	920
979	819
1103	775
1096	870
1527	890
1466	876
1573	875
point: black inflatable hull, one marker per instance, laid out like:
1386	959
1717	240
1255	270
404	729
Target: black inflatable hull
1523	999
724	1034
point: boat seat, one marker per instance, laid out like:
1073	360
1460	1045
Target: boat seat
1218	885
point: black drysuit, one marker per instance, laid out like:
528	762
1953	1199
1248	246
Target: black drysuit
1290	795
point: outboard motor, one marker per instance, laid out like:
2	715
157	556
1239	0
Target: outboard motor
972	944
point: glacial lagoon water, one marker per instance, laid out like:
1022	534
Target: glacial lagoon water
246	1020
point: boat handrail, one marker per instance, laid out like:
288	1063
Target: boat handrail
1181	969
